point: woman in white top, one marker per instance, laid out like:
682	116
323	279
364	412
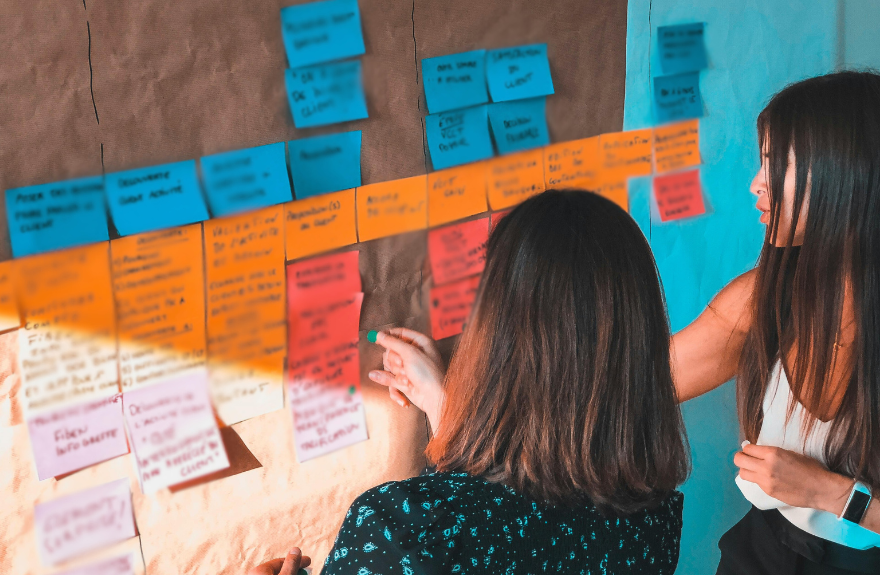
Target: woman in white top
801	333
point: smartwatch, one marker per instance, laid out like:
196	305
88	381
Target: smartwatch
857	504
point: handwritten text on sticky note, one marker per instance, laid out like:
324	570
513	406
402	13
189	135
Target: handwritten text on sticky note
573	164
74	437
173	431
451	306
326	94
247	332
84	521
159	289
456	193
391	208
320	224
518	73
458	251
679	195
519	125
677	97
322	277
317	32
682	48
153	198
676	146
247	179
325	163
458	137
626	154
515	178
57	215
455	81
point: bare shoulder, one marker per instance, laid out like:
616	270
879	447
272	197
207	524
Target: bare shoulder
733	302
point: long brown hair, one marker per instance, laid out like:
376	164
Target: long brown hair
832	123
560	386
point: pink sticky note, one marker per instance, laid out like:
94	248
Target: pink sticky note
74	437
496	217
323	276
451	306
458	251
122	565
173	431
324	377
679	195
84	521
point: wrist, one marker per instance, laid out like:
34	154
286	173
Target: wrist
835	493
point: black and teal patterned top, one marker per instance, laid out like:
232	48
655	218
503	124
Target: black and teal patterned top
456	523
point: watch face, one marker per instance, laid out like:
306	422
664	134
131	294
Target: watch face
858	504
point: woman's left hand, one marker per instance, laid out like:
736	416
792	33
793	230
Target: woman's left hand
290	565
792	478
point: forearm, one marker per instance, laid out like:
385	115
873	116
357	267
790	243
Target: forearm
835	495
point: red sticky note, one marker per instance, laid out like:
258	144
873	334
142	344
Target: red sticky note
458	251
323	277
679	195
451	306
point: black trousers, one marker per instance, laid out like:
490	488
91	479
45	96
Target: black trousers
766	543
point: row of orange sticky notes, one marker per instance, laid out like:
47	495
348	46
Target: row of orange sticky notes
602	164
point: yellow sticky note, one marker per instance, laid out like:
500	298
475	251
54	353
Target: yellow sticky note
677	146
8	305
456	193
626	153
515	178
391	208
572	164
320	223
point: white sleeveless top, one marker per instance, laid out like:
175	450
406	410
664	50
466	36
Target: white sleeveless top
777	433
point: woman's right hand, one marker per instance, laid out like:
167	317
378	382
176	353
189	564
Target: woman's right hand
413	370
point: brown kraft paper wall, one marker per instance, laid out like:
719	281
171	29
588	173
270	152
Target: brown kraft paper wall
105	84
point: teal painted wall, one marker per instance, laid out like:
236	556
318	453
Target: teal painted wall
860	40
755	48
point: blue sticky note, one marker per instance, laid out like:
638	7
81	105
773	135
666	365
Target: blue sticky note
677	97
518	73
55	216
321	32
147	199
325	163
455	81
246	179
681	48
458	137
519	125
326	94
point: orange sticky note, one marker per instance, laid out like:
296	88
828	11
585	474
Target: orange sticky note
572	164
456	193
8	305
320	224
67	345
677	146
515	178
615	187
323	277
679	195
391	208
160	301
451	306
626	153
247	331
458	251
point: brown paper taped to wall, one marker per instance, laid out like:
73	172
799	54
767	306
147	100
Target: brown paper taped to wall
178	80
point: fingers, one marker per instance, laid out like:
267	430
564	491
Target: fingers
750	475
418	339
392	362
403	349
398	397
268	568
291	562
748	462
759	451
389	380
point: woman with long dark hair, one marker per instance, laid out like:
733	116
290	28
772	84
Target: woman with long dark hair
558	441
801	333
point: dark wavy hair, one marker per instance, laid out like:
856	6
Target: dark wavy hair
560	386
832	123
